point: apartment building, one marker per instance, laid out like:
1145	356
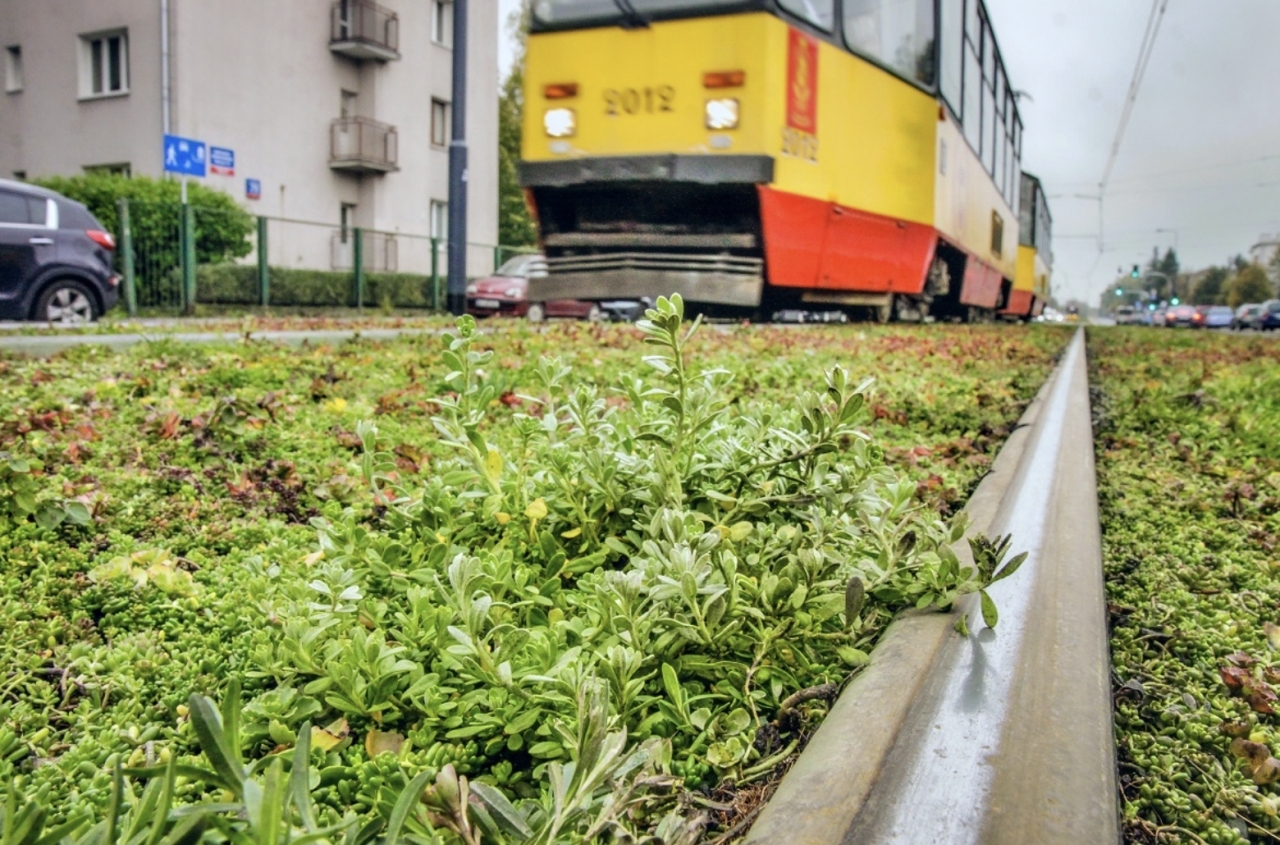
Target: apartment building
338	111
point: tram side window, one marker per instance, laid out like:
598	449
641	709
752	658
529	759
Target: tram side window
896	33
952	76
572	11
988	124
1026	212
820	13
972	116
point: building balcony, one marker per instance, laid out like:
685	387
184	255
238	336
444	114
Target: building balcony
360	145
363	30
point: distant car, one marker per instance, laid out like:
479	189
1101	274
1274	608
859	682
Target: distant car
1127	315
1158	316
1245	316
506	293
1180	315
1214	317
1268	317
55	258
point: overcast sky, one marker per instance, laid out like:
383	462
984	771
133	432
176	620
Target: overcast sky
1202	152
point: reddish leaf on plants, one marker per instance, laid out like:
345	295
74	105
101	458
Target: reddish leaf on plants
1235	729
1234	677
169	428
1271	674
1259	696
1241	659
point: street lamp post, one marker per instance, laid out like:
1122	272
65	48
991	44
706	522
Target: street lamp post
1167	281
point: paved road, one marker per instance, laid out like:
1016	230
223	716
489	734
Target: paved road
39	346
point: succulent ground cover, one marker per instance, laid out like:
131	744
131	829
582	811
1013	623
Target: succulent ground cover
579	580
1189	478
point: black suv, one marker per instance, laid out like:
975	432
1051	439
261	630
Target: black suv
55	258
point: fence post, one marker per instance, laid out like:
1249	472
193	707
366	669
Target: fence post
126	255
188	238
435	274
357	258
497	257
264	271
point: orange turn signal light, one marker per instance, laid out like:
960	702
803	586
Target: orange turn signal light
724	79
562	91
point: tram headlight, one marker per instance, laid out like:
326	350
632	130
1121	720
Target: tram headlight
560	123
722	114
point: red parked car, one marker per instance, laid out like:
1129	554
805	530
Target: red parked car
506	293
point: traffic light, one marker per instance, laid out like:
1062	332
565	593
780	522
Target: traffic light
1175	301
1119	291
1135	272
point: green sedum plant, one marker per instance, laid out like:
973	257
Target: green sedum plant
698	564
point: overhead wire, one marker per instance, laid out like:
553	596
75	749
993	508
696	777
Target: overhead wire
1154	20
1145	51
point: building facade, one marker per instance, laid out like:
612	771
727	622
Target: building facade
1264	253
338	111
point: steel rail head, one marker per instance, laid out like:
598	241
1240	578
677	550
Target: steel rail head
1003	736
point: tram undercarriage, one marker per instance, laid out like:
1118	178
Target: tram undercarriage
704	227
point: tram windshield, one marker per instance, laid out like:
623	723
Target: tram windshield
573	11
896	33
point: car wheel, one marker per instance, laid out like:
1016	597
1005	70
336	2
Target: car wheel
537	312
595	315
66	302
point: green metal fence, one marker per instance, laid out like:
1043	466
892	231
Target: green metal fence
174	257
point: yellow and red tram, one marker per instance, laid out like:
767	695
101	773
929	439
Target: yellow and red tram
775	153
1035	254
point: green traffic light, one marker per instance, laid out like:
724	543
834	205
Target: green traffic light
1119	291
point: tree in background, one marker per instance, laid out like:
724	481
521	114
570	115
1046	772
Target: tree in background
515	225
1248	285
1164	285
1211	289
1169	264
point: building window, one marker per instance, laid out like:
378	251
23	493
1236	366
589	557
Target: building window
346	216
117	169
442	22
439	123
20	175
347	104
13	80
439	219
104	64
997	234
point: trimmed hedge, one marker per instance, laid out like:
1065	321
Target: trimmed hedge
237	284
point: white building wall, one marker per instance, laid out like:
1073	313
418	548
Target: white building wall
259	77
47	129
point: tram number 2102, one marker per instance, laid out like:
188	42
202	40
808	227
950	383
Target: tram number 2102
801	145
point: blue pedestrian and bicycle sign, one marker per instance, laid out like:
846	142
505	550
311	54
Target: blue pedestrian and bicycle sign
184	155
